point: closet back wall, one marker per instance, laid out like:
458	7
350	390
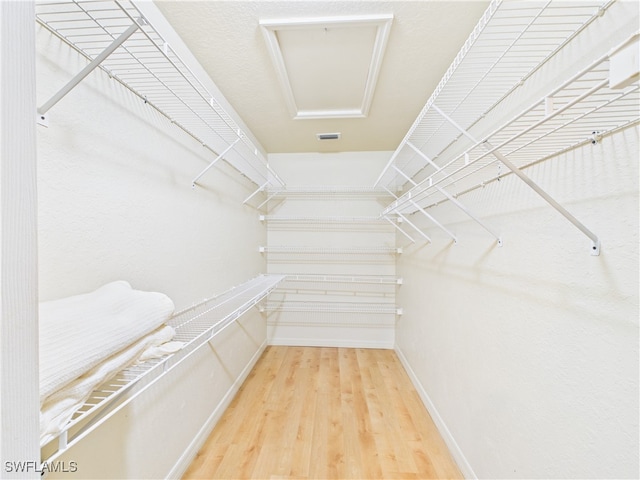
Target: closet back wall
115	196
333	232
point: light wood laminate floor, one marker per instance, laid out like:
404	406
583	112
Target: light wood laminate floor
325	413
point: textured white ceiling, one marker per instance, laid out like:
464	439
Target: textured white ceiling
225	37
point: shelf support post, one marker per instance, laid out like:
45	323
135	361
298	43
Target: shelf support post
470	214
419	152
88	69
414	227
224	152
399	229
404	175
267	200
595	241
430	217
260	188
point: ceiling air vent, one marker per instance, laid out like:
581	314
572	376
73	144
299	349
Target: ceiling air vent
328	136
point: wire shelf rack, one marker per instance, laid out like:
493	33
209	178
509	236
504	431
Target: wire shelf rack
344	278
146	64
534	135
327	190
194	326
320	220
332	307
367	250
510	42
478	127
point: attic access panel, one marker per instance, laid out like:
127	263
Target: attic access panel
328	67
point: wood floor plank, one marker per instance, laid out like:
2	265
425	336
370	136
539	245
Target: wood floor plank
325	413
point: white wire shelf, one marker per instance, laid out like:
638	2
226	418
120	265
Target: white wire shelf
381	250
580	105
452	148
146	64
510	42
332	307
325	190
195	326
343	278
320	220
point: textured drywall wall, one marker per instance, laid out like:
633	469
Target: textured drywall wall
115	196
527	354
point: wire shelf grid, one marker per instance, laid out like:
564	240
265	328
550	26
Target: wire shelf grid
327	190
511	42
146	65
320	220
194	326
584	109
365	250
344	278
332	307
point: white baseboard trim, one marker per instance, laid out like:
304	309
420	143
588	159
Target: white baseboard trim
454	448
191	451
329	342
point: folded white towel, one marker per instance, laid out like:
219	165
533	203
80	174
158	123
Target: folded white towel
79	332
59	407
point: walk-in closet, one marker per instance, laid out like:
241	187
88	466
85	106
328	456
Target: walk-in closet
282	239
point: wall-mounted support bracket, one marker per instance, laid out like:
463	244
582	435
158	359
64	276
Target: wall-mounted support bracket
89	68
457	203
390	193
404	175
268	198
224	152
427	159
595	242
430	217
260	189
399	229
424	235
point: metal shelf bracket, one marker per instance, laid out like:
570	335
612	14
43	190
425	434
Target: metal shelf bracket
595	246
224	152
405	219
430	217
595	242
95	63
400	229
458	204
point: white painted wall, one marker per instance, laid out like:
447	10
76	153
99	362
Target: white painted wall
115	196
115	202
348	169
527	355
